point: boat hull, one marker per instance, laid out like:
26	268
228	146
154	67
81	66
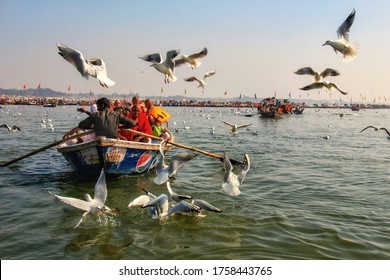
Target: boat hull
117	157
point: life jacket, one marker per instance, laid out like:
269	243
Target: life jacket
159	114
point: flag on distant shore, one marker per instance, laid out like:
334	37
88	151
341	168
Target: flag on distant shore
289	94
69	88
255	96
225	92
162	90
39	85
24	86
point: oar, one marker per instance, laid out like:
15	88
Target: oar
44	148
235	162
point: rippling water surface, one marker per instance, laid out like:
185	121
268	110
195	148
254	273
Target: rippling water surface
305	196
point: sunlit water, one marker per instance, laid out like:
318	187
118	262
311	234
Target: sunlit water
305	196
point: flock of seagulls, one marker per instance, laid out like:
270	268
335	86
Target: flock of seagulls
168	66
96	67
158	206
342	45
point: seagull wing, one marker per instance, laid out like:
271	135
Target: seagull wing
343	30
333	85
205	205
140	201
244	125
154	57
75	202
305	71
6	126
75	58
329	72
229	124
178	160
191	79
172	54
200	54
100	190
315	85
245	168
208	74
370	126
183	207
382	128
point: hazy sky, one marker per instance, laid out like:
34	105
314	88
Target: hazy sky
254	46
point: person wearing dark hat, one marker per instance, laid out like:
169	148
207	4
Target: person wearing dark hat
105	121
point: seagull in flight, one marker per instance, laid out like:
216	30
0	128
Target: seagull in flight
201	82
164	171
93	206
317	76
94	67
235	127
167	67
328	85
9	128
193	60
378	128
342	43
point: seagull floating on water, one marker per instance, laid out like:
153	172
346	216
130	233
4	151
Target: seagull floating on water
235	127
164	171
317	76
193	60
342	44
201	82
378	128
9	128
94	67
167	67
328	85
95	205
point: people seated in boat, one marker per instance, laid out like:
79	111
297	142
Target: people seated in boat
105	122
142	125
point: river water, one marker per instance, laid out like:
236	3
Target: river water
317	189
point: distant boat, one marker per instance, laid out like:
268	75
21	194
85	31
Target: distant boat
89	155
50	105
355	107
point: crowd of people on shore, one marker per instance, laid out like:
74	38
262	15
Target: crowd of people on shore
133	121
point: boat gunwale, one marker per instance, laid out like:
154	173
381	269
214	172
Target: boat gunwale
110	142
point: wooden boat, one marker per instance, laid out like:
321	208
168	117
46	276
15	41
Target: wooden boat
89	155
270	113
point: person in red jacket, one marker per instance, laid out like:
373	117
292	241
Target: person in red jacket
142	125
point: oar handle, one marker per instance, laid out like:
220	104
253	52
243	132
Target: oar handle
44	148
175	144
